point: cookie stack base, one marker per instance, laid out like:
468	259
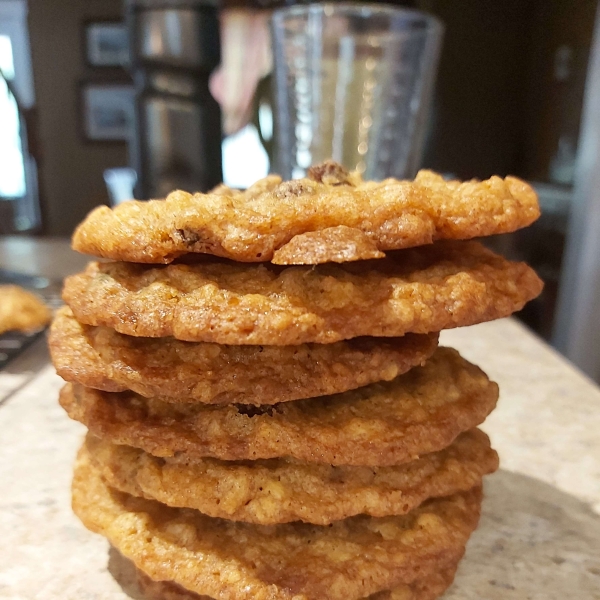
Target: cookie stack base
350	560
429	588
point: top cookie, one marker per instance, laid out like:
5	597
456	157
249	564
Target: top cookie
329	216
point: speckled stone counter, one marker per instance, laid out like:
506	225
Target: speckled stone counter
540	532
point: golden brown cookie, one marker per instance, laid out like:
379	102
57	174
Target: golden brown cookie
448	284
21	310
329	216
428	588
383	424
275	491
101	358
348	560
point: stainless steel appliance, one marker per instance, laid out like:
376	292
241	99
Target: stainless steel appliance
177	145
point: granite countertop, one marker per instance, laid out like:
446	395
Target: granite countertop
540	531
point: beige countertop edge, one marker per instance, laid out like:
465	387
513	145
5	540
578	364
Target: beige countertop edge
538	539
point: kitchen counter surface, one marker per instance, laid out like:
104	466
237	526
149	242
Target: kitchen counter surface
540	530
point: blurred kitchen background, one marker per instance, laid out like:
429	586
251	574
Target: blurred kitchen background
100	95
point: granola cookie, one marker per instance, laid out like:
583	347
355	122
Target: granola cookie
445	285
101	358
382	424
269	492
348	560
21	310
331	215
426	588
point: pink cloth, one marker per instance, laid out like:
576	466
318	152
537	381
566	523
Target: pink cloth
245	60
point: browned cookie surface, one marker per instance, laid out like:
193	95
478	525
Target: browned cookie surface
348	560
21	310
383	424
329	216
275	491
99	357
421	290
427	588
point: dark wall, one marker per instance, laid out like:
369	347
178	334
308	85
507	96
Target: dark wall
71	169
499	108
478	105
554	103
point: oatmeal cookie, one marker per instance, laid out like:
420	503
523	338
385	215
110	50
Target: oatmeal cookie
269	492
331	215
445	285
426	588
348	560
21	310
382	424
101	358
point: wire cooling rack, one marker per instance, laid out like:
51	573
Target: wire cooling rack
12	343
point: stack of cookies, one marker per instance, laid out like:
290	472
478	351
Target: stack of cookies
269	414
